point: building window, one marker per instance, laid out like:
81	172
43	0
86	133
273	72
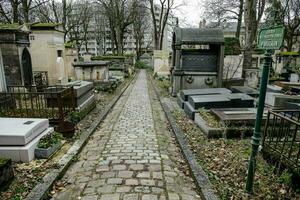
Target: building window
31	37
59	53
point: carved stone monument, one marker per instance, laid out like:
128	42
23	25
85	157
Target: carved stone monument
197	59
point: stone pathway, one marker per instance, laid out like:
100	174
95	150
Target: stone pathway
131	156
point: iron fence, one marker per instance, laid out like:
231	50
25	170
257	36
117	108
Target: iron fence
281	138
51	102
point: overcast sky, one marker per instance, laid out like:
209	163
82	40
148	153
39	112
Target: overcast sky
189	12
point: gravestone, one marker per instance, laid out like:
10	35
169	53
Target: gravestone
217	101
237	115
236	100
83	91
92	70
279	101
197	58
245	90
221	101
274	88
161	62
20	136
183	95
20	131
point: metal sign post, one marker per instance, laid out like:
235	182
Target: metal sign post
269	39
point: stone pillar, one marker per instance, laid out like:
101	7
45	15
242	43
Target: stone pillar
61	72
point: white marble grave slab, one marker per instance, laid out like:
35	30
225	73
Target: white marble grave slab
23	153
20	131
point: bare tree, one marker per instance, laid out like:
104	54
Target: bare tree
288	14
120	14
222	10
164	8
253	13
79	22
141	26
9	11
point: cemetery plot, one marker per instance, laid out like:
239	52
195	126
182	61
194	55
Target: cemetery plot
280	101
281	139
53	103
246	90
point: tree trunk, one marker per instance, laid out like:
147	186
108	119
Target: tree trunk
240	18
15	5
250	20
64	18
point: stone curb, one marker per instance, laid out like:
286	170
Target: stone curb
41	189
202	181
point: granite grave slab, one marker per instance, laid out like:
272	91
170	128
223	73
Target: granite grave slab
274	88
245	90
184	94
236	100
237	115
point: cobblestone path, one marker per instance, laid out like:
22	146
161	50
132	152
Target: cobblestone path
131	156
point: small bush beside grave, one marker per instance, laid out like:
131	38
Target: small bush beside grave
48	145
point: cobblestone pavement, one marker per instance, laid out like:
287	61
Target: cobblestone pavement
131	156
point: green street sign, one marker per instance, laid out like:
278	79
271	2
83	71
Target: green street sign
271	38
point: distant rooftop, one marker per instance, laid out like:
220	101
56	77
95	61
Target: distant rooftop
15	27
47	26
91	63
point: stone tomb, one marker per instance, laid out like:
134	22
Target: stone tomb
19	137
83	91
92	70
184	94
274	88
237	115
236	100
246	90
280	101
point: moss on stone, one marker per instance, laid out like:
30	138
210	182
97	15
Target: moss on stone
4	161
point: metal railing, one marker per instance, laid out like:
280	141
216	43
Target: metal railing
51	102
281	138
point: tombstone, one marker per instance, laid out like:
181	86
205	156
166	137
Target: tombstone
161	62
245	90
16	59
279	101
92	70
19	137
197	59
236	100
252	77
183	95
237	115
274	88
83	91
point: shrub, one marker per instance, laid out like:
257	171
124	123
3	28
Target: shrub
140	65
232	46
50	140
